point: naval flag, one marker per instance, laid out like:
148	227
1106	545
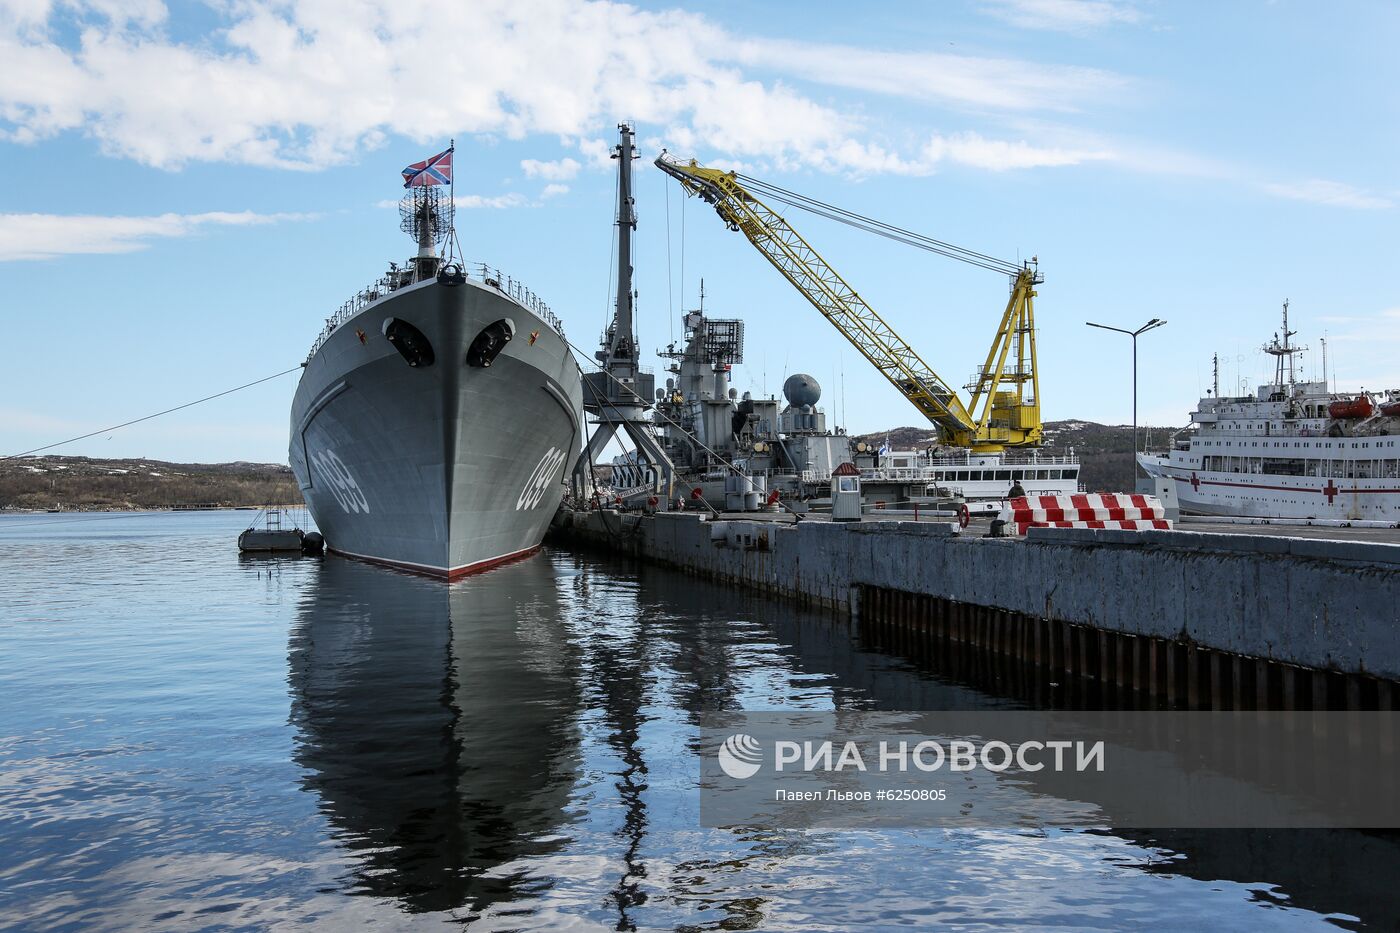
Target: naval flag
434	171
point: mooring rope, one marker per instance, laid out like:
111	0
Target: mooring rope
126	424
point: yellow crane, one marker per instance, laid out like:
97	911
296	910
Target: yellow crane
1004	410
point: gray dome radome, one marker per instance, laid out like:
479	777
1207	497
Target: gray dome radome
801	389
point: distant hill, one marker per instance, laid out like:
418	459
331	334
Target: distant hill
82	483
1105	451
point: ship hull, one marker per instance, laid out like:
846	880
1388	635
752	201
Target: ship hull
1263	495
442	468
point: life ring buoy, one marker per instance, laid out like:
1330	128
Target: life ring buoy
965	516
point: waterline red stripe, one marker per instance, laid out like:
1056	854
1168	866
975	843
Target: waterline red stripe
441	573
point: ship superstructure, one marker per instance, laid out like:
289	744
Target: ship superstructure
751	446
737	450
439	410
725	444
1293	449
734	451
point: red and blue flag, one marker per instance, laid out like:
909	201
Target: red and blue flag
434	171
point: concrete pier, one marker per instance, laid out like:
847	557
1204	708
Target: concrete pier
1198	620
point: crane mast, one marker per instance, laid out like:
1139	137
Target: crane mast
1004	410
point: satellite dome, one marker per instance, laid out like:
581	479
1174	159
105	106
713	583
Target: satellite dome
801	389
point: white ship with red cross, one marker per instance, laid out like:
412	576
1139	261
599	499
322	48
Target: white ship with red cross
1292	450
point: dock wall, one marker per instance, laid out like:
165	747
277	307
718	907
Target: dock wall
1176	613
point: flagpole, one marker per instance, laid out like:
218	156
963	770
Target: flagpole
452	201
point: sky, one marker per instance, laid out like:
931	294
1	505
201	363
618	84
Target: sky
189	189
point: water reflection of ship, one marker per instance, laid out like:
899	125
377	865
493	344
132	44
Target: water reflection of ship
437	726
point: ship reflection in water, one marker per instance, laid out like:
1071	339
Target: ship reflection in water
516	749
439	725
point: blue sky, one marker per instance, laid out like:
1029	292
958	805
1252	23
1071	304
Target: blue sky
190	189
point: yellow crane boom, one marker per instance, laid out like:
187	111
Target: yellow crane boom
1005	400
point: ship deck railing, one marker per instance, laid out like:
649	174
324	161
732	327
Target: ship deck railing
513	288
927	469
1004	459
397	278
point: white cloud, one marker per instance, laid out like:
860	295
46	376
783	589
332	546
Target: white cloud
25	14
30	15
1063	15
312	84
1330	193
960	80
307	85
597	152
553	191
561	170
46	236
997	155
511	199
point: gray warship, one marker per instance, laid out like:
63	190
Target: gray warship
716	448
697	442
438	411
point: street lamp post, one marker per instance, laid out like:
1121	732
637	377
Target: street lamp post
1133	334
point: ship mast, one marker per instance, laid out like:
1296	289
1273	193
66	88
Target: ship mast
622	348
426	215
619	396
1283	352
427	212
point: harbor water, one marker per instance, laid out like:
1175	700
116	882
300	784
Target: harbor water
190	739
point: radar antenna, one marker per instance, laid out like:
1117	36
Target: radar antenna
426	214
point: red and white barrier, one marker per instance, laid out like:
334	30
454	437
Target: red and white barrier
1130	512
